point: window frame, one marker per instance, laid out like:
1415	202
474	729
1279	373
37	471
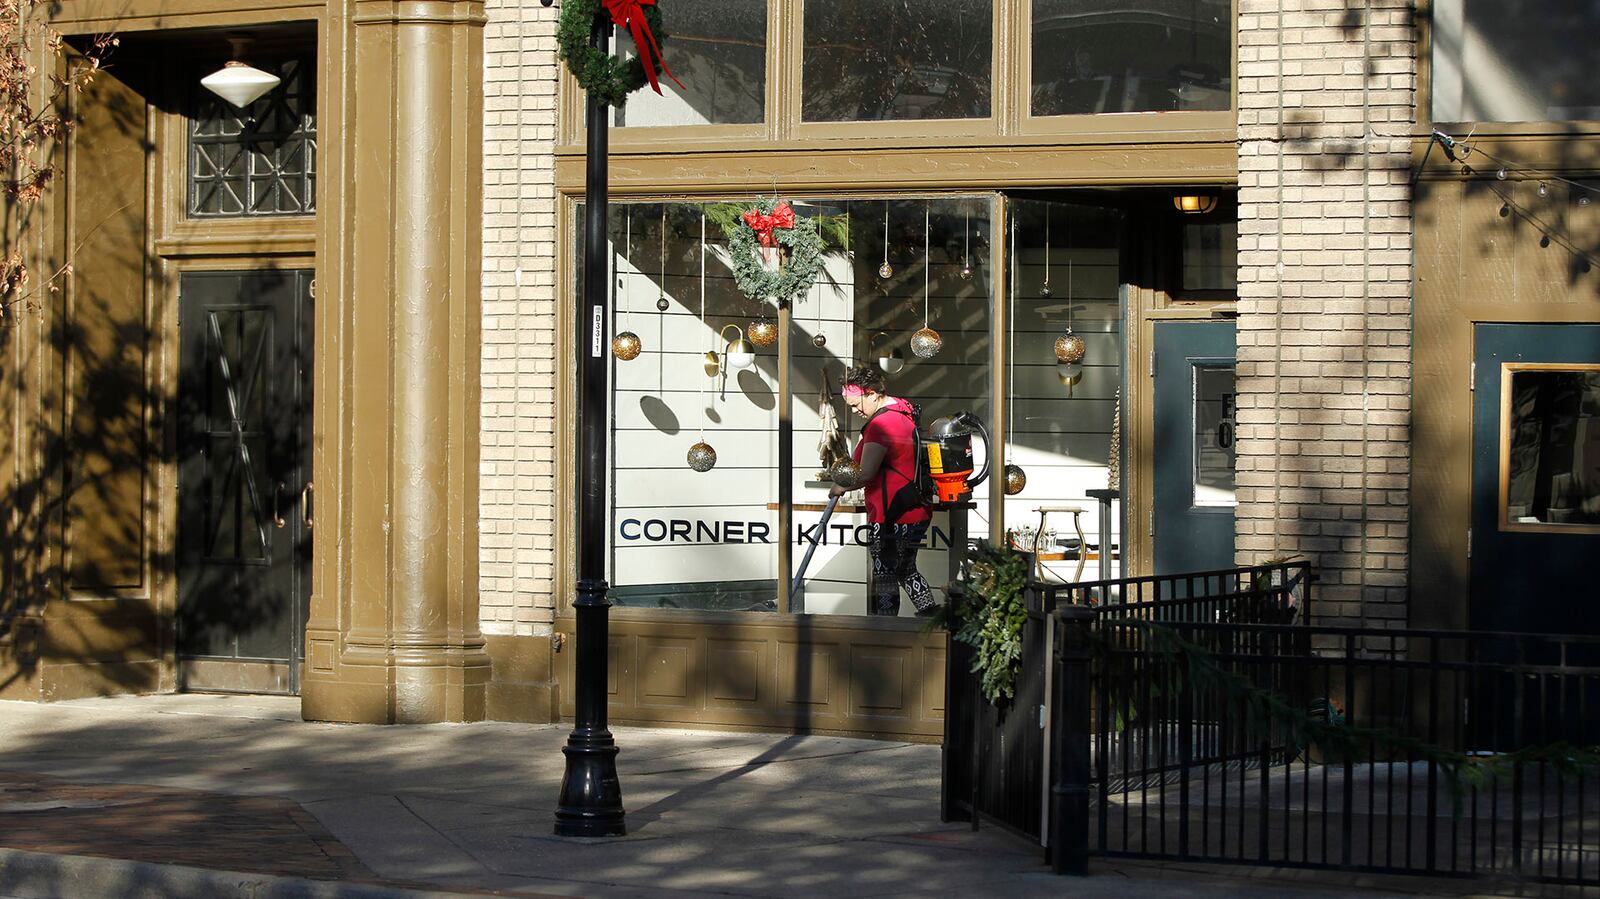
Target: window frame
1503	488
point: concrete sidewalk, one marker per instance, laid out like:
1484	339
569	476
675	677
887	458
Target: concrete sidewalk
213	795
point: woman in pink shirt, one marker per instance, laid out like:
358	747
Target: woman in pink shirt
896	513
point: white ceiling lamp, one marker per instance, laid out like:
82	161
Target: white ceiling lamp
238	82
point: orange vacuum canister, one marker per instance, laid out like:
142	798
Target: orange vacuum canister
949	450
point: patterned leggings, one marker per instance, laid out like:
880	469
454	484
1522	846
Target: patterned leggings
894	565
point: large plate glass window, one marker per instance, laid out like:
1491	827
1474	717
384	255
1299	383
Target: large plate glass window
710	540
879	60
1096	56
1514	61
1550	448
718	49
1060	416
260	160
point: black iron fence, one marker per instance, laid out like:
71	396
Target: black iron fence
1398	751
1187	724
995	759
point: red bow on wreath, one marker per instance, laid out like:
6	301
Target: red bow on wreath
782	217
630	15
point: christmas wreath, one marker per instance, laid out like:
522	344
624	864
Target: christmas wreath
609	78
773	224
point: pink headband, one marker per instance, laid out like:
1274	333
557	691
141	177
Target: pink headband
852	391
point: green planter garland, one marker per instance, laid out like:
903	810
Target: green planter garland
608	78
991	614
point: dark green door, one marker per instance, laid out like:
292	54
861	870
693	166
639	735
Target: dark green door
1535	478
1192	523
244	403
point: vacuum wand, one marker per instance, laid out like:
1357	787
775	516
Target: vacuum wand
796	597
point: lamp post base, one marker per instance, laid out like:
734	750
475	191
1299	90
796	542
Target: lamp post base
591	794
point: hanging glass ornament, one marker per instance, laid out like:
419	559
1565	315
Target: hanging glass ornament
1044	290
702	457
966	249
1069	347
819	341
1016	479
885	271
626	345
662	305
846	474
763	330
966	269
926	343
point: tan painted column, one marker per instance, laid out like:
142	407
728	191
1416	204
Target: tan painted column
394	631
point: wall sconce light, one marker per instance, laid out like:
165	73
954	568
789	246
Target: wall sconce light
1194	204
737	353
238	82
892	361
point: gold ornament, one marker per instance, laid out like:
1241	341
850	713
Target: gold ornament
926	343
626	345
702	457
1070	347
847	474
763	331
1016	479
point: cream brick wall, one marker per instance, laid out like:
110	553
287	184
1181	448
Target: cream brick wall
516	511
1326	98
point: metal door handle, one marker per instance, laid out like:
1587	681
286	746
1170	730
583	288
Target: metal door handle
306	496
277	496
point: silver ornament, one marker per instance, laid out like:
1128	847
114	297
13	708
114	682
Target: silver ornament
1016	479
926	343
819	341
1070	347
702	457
626	345
966	269
1044	292
886	271
846	474
662	305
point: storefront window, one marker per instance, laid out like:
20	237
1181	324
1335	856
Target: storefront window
718	49
879	60
710	540
1552	448
1096	56
1514	61
1064	304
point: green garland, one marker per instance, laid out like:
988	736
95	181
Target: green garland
797	273
991	614
608	78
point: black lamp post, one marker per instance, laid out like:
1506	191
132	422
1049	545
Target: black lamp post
591	794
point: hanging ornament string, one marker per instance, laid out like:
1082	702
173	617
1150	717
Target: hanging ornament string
661	285
926	342
703	314
625	345
1045	290
885	271
927	218
1011	351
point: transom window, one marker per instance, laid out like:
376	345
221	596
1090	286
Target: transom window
260	160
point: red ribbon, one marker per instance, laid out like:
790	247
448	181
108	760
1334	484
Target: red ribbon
630	15
782	217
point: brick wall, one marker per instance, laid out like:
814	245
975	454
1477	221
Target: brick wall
516	510
1326	98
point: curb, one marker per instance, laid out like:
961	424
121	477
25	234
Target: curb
43	875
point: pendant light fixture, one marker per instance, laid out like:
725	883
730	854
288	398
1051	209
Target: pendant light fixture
926	342
890	361
885	271
626	345
239	82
